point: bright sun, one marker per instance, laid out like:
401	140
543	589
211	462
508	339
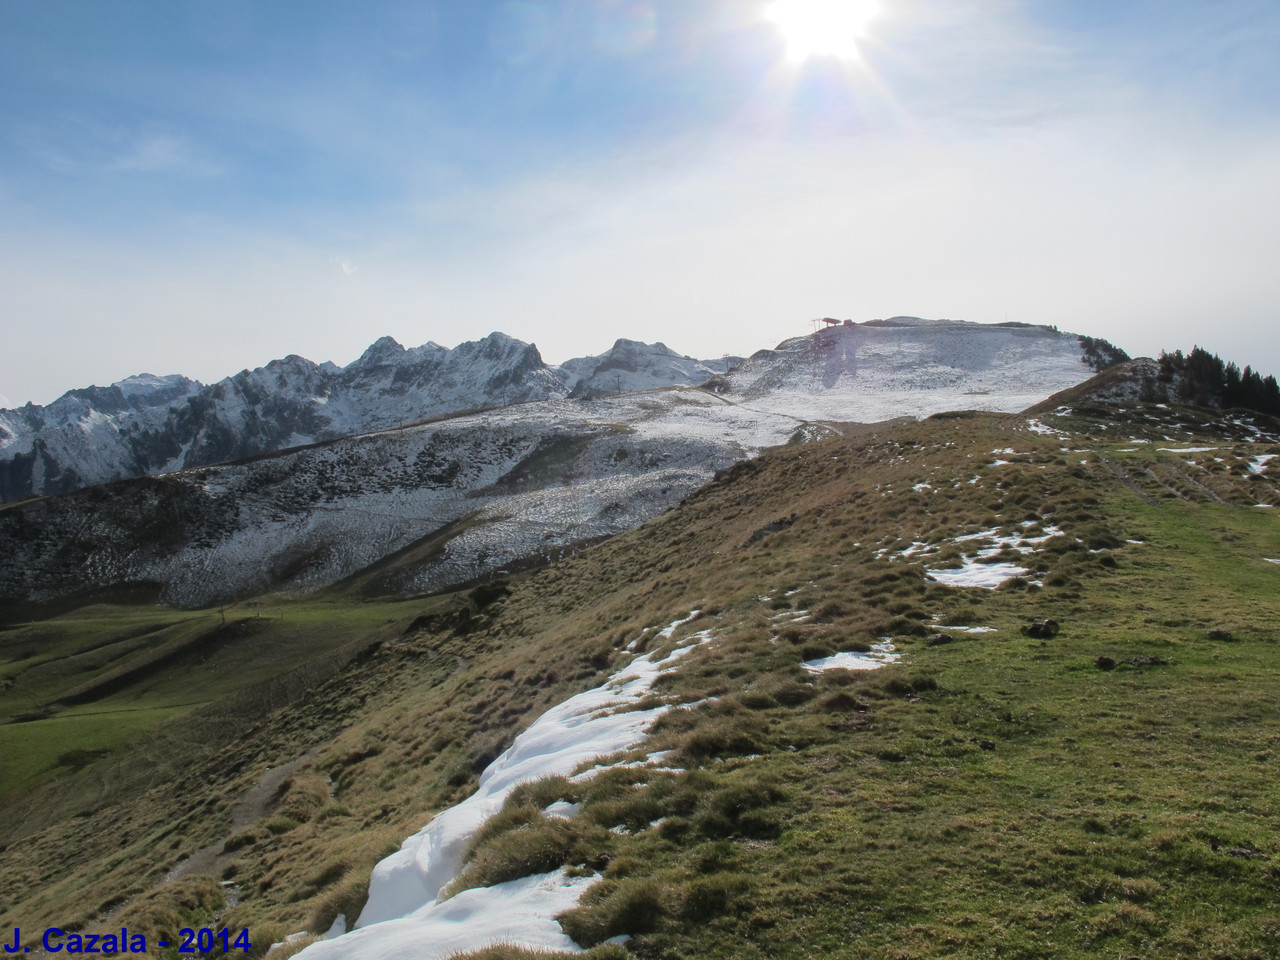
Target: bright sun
822	27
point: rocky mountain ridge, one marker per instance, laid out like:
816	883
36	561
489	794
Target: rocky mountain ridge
149	425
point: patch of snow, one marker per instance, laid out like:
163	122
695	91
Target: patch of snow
917	546
1185	449
288	941
975	574
1035	426
1259	462
970	629
404	913
519	912
337	928
562	809
880	655
666	632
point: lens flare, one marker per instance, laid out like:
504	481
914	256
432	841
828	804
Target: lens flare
817	28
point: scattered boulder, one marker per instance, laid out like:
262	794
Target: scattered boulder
938	639
1041	629
1217	633
1104	663
776	527
1247	853
1148	661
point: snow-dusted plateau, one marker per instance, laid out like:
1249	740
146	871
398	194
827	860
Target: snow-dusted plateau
503	461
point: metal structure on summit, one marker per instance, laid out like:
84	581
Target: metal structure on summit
830	322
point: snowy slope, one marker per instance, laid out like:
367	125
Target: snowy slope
521	483
409	915
867	372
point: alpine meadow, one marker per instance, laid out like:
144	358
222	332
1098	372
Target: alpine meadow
954	684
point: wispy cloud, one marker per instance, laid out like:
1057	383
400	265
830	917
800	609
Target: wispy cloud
77	146
165	153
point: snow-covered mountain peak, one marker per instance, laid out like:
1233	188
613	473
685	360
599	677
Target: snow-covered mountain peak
498	346
291	362
630	365
427	351
382	351
143	386
623	346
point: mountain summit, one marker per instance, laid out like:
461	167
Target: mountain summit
630	365
907	366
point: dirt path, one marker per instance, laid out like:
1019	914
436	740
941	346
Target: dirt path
251	808
210	860
1129	482
1180	471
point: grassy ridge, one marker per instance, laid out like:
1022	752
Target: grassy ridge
1103	791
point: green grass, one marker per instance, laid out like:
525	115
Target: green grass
69	742
101	676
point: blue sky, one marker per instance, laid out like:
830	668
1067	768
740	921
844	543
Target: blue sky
201	186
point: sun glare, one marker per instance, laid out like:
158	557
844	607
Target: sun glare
814	28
